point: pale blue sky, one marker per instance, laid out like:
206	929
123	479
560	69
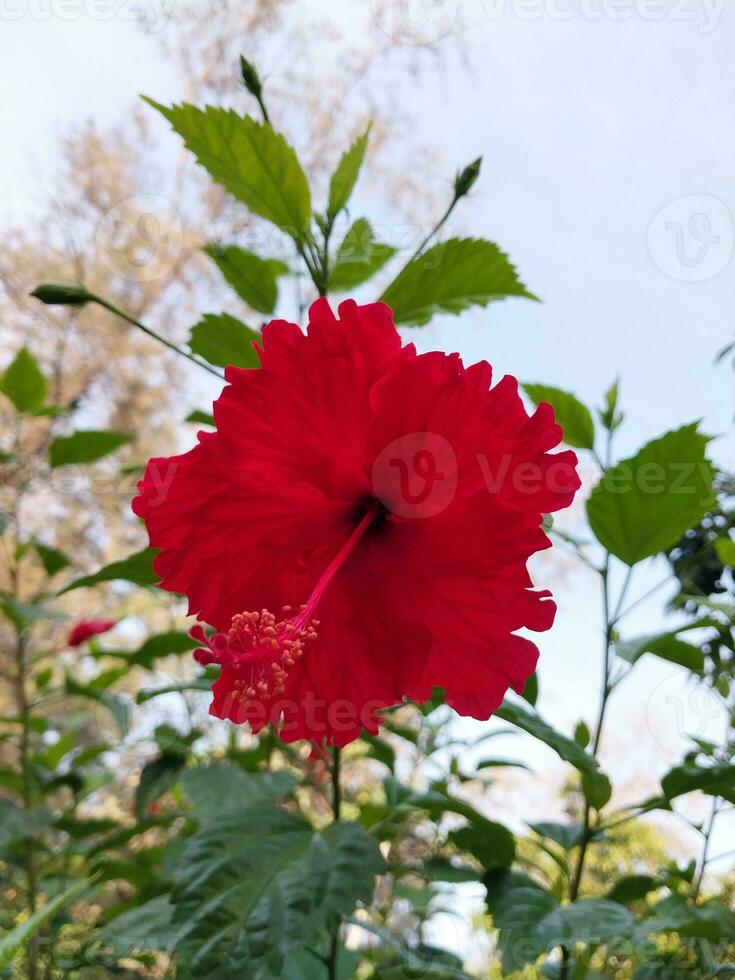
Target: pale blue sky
590	126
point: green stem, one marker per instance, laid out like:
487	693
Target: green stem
106	304
24	715
434	231
336	808
704	861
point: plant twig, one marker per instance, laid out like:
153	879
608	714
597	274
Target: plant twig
106	304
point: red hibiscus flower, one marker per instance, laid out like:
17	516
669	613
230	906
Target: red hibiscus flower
357	528
85	629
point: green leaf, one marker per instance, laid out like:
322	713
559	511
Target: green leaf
202	683
13	942
673	914
418	961
592	920
84	446
144	927
597	791
517	905
566	748
138	569
260	883
255	280
23	614
23	382
667	646
501	763
451	277
253	162
154	648
574	417
18	824
632	888
157	777
358	258
566	835
345	176
718	780
217	789
726	551
491	843
222	339
645	504
52	559
610	417
200	418
530	691
582	734
115	704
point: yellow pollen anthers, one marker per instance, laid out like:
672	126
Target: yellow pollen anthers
264	649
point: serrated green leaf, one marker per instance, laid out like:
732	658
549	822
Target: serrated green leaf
145	927
217	789
255	280
345	176
222	339
566	748
451	277
358	258
23	383
574	417
138	569
85	446
253	162
259	883
644	504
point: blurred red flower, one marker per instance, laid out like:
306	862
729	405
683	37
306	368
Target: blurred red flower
357	528
85	629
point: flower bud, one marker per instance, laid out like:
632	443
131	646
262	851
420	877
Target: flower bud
62	294
250	77
466	178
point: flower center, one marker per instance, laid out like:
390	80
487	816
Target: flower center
261	648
